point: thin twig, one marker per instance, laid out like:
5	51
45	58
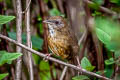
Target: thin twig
19	39
82	38
29	55
28	6
60	3
63	73
97	44
53	59
106	10
44	14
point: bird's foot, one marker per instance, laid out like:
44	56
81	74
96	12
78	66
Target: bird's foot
79	66
79	73
47	56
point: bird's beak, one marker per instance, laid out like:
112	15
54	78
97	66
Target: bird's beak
47	21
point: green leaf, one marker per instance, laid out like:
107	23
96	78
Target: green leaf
109	70
94	6
36	41
108	31
5	19
115	2
117	54
81	77
103	36
109	61
46	1
100	2
55	12
96	13
45	70
12	35
6	57
112	46
36	59
40	25
2	76
100	72
85	63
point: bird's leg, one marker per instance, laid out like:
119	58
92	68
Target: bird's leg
47	56
78	64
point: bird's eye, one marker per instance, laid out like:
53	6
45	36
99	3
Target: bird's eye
56	22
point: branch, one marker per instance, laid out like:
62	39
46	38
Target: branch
106	10
28	56
82	38
53	59
27	6
63	73
19	39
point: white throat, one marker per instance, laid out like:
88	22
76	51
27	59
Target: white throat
51	30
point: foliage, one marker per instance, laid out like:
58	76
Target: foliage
85	63
117	2
5	19
100	2
6	57
40	25
55	12
45	68
36	41
2	76
81	77
109	61
108	32
109	70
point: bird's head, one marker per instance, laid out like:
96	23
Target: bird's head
55	22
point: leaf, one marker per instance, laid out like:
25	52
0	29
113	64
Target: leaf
96	13
109	70
108	32
5	19
6	57
100	2
100	72
115	2
112	46
81	77
36	41
94	6
45	70
55	12
117	54
12	35
109	61
103	36
46	1
40	25
36	59
2	76
86	64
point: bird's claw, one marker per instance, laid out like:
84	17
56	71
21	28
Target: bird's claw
47	57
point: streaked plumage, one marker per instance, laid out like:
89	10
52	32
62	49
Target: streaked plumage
61	39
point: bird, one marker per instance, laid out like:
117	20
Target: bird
61	38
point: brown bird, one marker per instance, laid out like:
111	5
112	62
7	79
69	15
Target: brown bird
61	39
